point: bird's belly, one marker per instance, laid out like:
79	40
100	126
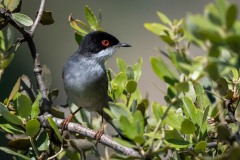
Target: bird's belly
92	96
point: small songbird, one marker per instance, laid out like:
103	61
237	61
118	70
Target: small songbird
84	73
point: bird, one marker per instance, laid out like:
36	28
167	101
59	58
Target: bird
84	74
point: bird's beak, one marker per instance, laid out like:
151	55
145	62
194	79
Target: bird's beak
123	45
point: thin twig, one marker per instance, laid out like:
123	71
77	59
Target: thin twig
39	16
77	128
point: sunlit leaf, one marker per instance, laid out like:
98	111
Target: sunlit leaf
201	146
11	4
121	65
163	71
164	18
91	18
23	19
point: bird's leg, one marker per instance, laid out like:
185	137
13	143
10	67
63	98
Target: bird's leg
100	132
68	120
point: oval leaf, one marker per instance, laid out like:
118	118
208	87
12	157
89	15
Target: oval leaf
11	4
32	127
23	19
188	127
131	86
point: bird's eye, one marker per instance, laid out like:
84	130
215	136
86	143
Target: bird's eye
105	43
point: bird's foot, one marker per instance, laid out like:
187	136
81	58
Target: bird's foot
99	133
65	122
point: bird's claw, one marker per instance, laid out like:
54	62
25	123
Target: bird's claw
99	134
65	122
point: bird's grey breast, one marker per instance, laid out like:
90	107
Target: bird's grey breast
85	82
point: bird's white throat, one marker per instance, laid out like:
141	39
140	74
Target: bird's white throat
105	54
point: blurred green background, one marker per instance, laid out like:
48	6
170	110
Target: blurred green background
124	19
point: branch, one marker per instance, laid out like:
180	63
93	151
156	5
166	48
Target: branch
39	16
77	128
28	37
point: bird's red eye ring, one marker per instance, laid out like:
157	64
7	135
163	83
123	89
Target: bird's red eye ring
105	43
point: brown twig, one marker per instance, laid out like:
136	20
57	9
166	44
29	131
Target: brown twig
77	128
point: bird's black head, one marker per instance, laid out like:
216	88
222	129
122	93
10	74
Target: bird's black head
96	41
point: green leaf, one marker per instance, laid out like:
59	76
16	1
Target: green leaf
235	73
11	4
157	111
221	6
138	69
8	116
23	19
75	24
121	65
23	105
231	15
46	18
174	120
130	73
118	109
182	87
127	127
163	71
188	127
174	139
32	127
8	60
78	38
35	107
139	123
156	28
202	29
9	151
200	147
43	142
91	18
202	100
164	18
10	128
55	128
190	110
14	91
131	86
118	84
2	42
